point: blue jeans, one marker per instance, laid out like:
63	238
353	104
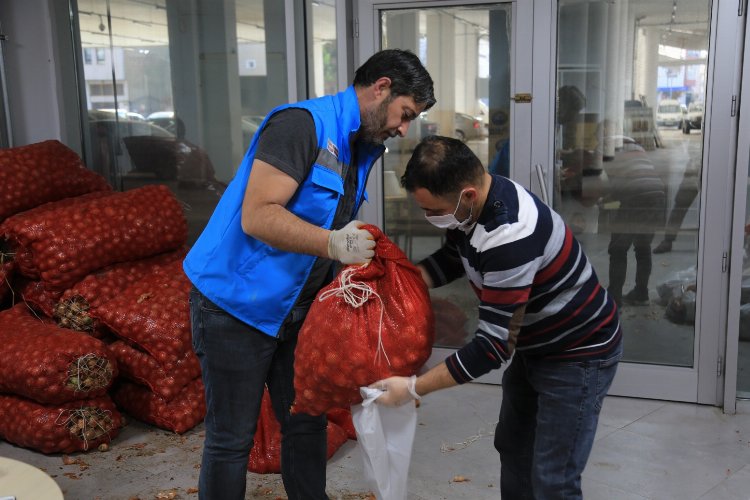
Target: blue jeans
547	424
237	361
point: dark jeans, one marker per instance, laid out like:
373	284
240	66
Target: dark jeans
237	361
547	424
634	225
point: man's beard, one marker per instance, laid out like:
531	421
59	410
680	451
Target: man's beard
373	123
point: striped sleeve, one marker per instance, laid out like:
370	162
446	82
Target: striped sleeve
445	264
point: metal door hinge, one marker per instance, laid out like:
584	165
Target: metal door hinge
724	261
355	28
734	105
522	98
719	366
3	37
741	8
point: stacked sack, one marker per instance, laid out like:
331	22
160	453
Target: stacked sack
102	272
101	269
53	385
36	174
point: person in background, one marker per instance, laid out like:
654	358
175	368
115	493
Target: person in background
539	298
687	191
267	250
635	185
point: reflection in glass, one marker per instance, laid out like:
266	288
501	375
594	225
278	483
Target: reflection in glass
176	91
743	361
322	75
628	151
467	52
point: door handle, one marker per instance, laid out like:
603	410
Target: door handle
542	182
523	98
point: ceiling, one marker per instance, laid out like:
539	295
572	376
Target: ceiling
140	23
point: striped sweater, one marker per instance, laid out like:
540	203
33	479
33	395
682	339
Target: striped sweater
538	293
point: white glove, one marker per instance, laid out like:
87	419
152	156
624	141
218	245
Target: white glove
397	391
351	245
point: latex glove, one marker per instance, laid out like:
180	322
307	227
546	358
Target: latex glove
351	245
397	391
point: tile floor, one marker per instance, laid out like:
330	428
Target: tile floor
644	449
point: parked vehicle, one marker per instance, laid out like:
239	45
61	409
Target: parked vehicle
165	120
469	127
126	146
693	119
669	113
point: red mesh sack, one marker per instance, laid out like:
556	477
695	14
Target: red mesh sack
42	172
49	364
154	314
179	415
343	418
75	306
64	428
65	244
381	313
6	273
32	218
142	368
265	457
35	295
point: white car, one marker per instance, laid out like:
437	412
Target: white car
669	113
693	119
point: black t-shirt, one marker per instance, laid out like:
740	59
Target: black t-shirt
289	142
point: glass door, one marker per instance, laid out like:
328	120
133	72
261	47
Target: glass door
470	50
640	169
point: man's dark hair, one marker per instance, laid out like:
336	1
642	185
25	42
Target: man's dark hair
442	166
408	76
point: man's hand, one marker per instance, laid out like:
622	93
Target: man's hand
351	245
397	391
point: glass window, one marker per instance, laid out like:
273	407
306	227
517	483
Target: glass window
323	76
467	52
177	96
631	83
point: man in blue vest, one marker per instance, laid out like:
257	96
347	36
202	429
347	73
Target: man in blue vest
267	250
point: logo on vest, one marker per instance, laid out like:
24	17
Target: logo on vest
331	147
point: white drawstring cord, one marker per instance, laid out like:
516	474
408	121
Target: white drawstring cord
356	293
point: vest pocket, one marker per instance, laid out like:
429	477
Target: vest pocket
323	177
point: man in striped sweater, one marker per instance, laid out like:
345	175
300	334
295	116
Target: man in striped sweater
539	298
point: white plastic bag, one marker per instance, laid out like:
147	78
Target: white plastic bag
386	436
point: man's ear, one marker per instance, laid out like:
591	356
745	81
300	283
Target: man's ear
381	85
471	193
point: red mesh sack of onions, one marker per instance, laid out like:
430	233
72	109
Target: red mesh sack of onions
154	314
34	218
43	172
50	364
140	367
74	307
179	415
35	295
265	457
69	242
381	313
6	273
63	428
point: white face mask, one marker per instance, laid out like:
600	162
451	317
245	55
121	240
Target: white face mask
449	221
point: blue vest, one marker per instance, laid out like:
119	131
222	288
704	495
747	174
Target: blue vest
254	282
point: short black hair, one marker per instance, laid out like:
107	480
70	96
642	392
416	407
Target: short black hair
408	76
442	166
